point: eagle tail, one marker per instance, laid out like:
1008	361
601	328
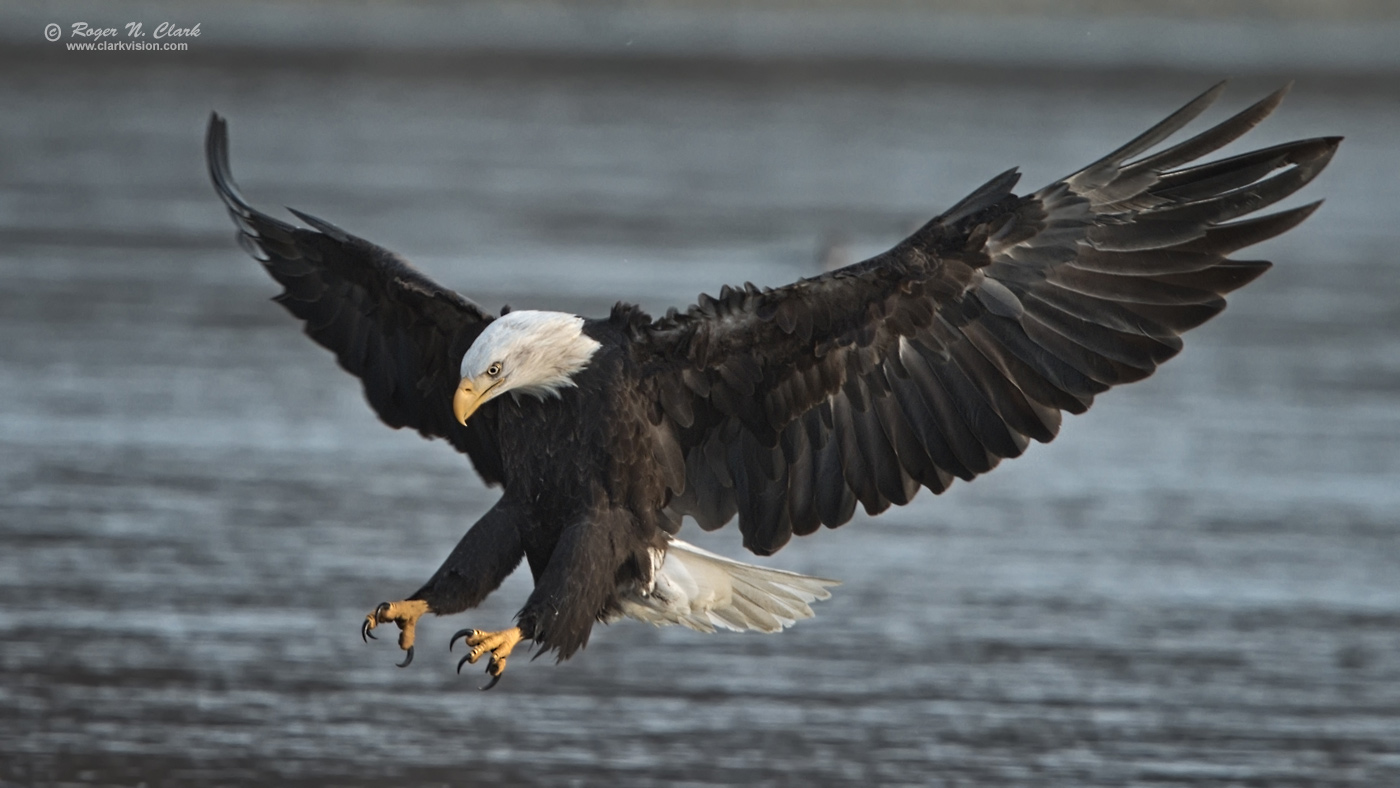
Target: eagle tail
704	591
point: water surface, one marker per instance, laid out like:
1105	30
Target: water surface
1196	584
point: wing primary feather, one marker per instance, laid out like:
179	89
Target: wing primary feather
1082	180
1225	239
322	225
1212	139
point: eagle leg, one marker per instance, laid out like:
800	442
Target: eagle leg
405	613
497	644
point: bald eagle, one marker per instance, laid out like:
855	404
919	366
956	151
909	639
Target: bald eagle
787	407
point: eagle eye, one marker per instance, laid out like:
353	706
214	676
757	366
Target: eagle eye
494	370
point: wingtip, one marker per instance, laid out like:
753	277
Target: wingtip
321	225
1304	211
1271	102
1159	132
216	158
1206	99
1314	161
216	132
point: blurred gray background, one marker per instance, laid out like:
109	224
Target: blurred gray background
1197	584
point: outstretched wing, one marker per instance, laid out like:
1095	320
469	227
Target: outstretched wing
951	351
389	325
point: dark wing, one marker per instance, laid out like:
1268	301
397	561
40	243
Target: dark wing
398	331
954	349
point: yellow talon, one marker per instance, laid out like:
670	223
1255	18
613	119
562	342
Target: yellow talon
405	613
497	644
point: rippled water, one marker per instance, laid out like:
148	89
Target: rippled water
1196	584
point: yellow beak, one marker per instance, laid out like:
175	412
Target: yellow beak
466	401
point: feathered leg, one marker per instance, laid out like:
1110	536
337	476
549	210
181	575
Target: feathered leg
575	587
580	580
482	560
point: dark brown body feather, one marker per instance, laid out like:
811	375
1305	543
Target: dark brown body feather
788	407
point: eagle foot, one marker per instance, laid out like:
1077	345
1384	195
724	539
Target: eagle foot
405	613
497	644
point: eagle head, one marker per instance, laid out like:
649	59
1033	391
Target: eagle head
526	352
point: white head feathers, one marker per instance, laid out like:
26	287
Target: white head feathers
538	353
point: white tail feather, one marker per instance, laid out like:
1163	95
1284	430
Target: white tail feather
703	591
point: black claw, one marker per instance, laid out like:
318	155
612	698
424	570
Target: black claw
408	658
382	610
492	682
461	633
463	662
365	634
